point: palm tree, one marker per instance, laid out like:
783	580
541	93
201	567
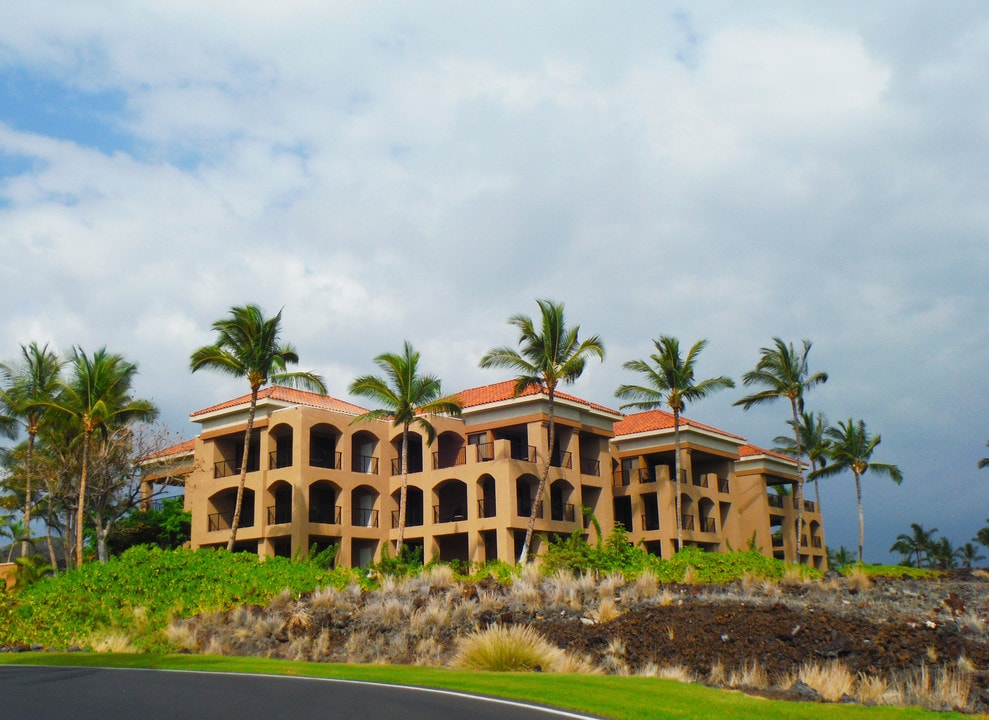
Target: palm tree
98	397
813	441
669	381
943	554
550	354
29	389
248	346
969	555
405	397
782	372
916	543
851	449
840	558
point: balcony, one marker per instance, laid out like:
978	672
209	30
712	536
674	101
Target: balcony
647	475
700	481
444	514
413	518
707	525
723	486
325	514
483	510
775	501
226	468
448	461
809	506
279	514
364	517
524	452
278	460
415	466
590	466
650	522
687	522
223	521
562	513
525	508
815	542
562	460
366	464
327	460
484	452
622	478
778	539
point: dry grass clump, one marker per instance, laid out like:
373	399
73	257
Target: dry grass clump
832	681
944	689
689	576
717	676
750	675
180	634
525	592
562	588
605	612
511	648
678	673
608	588
112	642
857	581
613	659
644	587
872	690
792	577
330	599
440	577
384	610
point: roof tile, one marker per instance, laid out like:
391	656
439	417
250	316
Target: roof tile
288	395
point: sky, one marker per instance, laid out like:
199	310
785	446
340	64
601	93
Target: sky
384	172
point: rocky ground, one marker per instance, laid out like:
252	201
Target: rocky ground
891	629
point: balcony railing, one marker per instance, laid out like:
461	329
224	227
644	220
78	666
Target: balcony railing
809	506
650	522
223	520
279	514
445	514
365	464
700	481
687	522
590	466
446	460
396	466
525	508
484	452
564	513
364	517
815	542
326	459
622	477
777	539
326	514
707	525
776	501
413	518
524	452
723	487
226	468
279	460
485	509
563	460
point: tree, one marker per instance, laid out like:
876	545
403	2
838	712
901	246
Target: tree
813	441
840	558
248	346
98	397
668	381
852	447
406	397
549	354
28	391
916	543
968	554
782	372
943	554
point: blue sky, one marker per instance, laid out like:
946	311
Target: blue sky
705	170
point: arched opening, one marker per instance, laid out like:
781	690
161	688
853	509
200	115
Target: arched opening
450	450
450	501
364	511
705	515
561	457
220	511
323	507
525	495
816	541
413	507
561	509
364	446
687	512
486	497
415	453
324	440
280	503
281	456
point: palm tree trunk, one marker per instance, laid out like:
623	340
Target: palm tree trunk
403	496
26	543
676	469
80	511
235	523
524	555
798	496
858	498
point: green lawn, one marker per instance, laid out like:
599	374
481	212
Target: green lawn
620	698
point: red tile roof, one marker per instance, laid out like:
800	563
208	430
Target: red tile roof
652	420
752	450
502	391
291	396
186	446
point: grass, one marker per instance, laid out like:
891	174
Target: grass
619	698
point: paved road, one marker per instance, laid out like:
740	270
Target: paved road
27	693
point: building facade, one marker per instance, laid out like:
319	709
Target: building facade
317	477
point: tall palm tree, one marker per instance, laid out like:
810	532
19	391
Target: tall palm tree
916	543
852	447
668	381
406	397
783	372
248	346
813	441
29	388
969	555
549	354
98	397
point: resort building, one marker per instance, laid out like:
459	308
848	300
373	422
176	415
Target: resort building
316	476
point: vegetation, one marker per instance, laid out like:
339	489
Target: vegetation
669	382
782	372
814	443
405	397
248	346
549	356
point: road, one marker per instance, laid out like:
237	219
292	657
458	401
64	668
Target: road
28	693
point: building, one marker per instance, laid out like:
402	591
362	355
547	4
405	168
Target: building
317	476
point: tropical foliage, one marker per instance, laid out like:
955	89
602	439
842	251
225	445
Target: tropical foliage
551	353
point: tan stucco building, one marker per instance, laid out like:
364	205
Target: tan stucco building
317	477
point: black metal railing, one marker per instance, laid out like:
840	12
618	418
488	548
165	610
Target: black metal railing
445	459
590	466
723	487
650	522
687	522
700	481
279	459
647	475
365	464
326	459
278	514
776	501
223	520
524	452
415	466
525	508
485	509
809	506
226	468
413	517
777	539
485	452
707	525
363	517
448	513
563	460
562	512
815	542
326	514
